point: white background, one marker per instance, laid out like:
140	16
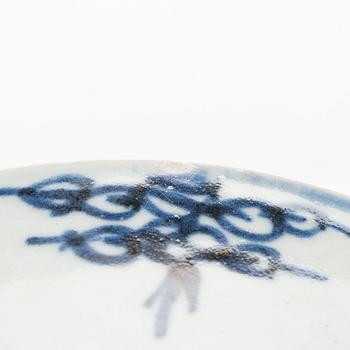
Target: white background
256	84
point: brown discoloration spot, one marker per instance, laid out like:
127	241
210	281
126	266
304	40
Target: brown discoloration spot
82	195
133	245
212	189
221	254
274	266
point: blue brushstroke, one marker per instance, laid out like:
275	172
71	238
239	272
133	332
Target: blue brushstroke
313	194
194	195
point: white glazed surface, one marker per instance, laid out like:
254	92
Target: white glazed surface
54	300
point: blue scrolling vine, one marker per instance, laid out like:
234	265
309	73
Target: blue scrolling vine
196	197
